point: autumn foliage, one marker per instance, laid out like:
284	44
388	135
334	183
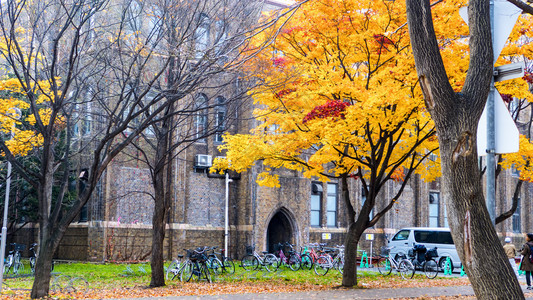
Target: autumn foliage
339	97
15	110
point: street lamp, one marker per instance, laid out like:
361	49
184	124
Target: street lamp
6	205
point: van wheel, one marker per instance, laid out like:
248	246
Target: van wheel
442	263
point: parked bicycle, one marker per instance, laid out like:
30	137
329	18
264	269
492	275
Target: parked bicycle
227	266
423	259
327	261
197	266
12	260
293	260
252	260
309	255
176	267
403	265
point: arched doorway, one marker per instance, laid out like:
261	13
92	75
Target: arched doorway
279	230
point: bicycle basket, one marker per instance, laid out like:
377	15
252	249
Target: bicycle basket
250	250
20	247
432	253
385	251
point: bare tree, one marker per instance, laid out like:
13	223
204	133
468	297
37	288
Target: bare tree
114	68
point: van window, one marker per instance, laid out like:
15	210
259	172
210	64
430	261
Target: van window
434	237
401	235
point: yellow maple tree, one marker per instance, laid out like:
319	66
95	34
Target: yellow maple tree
15	110
339	97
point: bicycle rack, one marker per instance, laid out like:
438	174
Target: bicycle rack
68	284
448	266
463	273
364	260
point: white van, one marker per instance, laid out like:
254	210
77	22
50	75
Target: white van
430	237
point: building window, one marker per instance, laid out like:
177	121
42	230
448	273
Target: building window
88	118
363	200
202	36
516	218
220	119
316	204
434	209
201	117
331	213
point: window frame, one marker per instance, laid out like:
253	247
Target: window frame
430	216
318	193
335	198
221	109
200	118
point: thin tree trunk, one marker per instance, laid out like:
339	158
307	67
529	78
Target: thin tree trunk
158	236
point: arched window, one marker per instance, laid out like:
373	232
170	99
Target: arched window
201	117
220	118
201	36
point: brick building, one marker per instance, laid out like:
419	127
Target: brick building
118	220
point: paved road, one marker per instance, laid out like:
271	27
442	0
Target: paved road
342	294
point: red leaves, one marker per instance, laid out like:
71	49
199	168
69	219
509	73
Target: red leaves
507	98
528	76
290	30
279	62
383	42
355	177
332	108
284	92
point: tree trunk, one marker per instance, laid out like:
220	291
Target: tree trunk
162	201
349	276
474	234
158	236
43	267
456	117
47	244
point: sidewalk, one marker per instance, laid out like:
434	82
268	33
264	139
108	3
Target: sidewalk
345	294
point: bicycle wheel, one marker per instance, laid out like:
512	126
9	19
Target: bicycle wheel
322	266
294	262
186	271
307	262
339	265
431	269
32	264
204	273
385	267
249	263
270	261
8	263
229	266
172	270
214	265
406	268
18	267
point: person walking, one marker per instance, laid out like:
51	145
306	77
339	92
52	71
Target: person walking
510	251
526	264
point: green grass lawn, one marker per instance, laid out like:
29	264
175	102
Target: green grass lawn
114	275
